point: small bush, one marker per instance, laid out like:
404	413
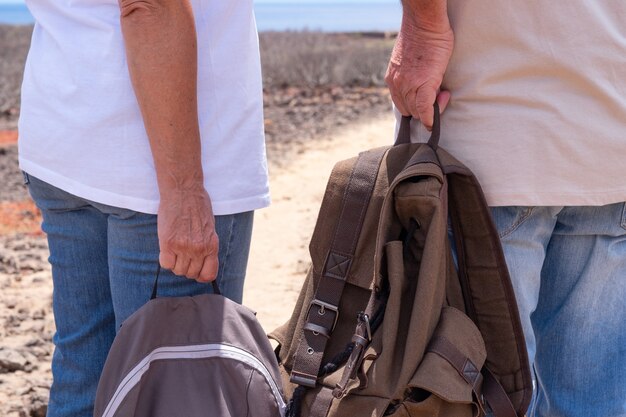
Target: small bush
14	43
315	59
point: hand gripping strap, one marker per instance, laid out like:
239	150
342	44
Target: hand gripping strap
404	133
155	286
324	309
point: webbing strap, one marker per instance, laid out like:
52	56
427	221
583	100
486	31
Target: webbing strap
495	396
463	365
484	277
484	384
155	286
404	133
324	309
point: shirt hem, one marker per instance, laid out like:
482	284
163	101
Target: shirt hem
220	208
579	198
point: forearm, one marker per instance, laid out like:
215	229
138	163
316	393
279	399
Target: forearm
419	59
161	49
426	15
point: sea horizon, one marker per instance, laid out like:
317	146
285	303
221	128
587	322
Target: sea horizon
365	16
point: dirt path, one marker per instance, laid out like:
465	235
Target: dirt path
279	256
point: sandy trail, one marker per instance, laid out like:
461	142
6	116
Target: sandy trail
279	257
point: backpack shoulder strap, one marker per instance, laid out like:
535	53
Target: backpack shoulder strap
324	309
486	283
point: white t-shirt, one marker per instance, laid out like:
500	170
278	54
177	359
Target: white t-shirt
80	127
538	108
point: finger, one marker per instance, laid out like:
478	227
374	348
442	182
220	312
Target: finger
424	100
209	269
167	259
182	265
410	99
195	266
393	84
443	99
211	263
400	104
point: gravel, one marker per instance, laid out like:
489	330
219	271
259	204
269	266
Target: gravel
12	188
14	42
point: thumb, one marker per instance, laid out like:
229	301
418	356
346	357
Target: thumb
443	99
167	259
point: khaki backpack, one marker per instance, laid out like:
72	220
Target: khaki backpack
386	324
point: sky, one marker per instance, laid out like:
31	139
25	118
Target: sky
326	1
273	1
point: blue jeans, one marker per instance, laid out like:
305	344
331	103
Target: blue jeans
568	267
104	261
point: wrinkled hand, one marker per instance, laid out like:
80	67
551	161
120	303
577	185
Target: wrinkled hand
416	69
187	239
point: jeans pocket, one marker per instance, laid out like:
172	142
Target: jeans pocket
508	219
623	219
26	178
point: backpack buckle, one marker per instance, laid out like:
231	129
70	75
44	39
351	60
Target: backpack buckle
323	307
365	319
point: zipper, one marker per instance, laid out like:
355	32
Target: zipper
216	350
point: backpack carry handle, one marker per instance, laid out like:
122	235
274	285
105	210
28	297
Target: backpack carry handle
216	288
404	133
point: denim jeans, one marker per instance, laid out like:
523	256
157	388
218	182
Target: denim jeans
104	261
568	267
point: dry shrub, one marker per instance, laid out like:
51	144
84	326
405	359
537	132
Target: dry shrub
290	59
14	43
314	59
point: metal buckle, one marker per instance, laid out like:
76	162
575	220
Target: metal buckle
323	307
303	379
364	318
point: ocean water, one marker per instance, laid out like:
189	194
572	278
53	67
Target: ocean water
15	14
333	17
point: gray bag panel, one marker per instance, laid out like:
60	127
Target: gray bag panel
189	354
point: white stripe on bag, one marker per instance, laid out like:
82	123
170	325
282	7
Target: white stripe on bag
191	352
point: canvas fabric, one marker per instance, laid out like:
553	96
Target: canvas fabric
191	356
407	335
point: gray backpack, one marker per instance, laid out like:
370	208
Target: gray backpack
191	356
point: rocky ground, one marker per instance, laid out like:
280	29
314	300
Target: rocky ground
14	42
26	323
26	326
295	116
298	120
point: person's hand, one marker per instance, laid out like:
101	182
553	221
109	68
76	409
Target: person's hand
416	69
187	239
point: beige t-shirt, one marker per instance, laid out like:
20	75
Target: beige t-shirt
538	108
